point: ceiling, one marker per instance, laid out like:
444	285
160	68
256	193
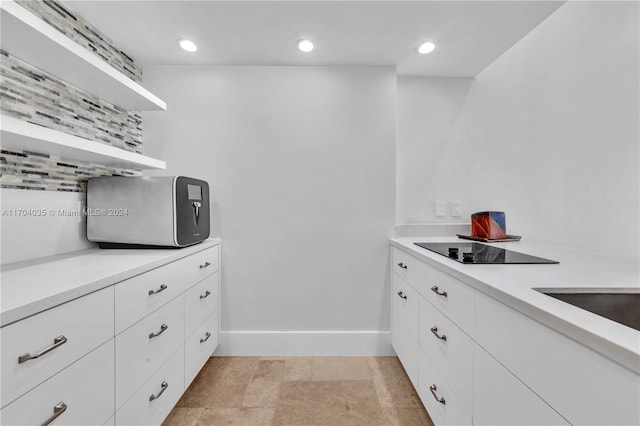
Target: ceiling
469	34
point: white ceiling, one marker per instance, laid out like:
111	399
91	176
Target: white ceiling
469	34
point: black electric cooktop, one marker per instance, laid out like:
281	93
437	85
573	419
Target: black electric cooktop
477	253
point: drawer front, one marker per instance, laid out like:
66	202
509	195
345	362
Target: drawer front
73	329
141	409
200	302
452	297
501	399
449	349
199	347
138	354
85	388
138	296
449	412
405	344
580	384
406	304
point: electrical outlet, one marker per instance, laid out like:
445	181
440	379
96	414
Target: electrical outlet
456	208
439	208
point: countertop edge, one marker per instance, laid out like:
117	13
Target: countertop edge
619	352
37	306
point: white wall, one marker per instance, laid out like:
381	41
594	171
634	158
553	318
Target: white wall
301	163
549	133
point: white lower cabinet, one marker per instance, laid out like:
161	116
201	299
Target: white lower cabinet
501	399
157	396
78	364
141	349
442	404
478	361
199	347
81	394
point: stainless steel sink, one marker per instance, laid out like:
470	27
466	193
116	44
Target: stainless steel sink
621	306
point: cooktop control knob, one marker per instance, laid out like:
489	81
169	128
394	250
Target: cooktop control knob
453	252
467	257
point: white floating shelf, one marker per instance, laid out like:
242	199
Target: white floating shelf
20	135
31	39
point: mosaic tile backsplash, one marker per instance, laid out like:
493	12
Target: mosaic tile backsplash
35	96
76	28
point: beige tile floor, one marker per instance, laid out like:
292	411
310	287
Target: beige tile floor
301	392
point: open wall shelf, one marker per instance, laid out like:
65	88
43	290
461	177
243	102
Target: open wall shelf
31	39
16	134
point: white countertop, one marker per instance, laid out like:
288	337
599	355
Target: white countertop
29	287
514	285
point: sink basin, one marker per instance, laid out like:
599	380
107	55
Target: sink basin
620	306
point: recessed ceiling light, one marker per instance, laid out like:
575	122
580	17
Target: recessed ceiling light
187	45
426	47
305	45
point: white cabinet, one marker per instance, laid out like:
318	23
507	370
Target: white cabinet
582	385
77	362
502	399
144	347
81	394
479	361
39	346
157	396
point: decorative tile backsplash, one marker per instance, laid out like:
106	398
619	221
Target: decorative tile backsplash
35	96
83	33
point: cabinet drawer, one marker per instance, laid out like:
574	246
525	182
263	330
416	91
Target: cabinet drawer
136	297
580	384
449	349
200	302
501	399
452	297
406	303
138	354
141	409
199	347
405	344
449	412
74	328
85	388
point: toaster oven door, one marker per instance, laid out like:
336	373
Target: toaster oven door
192	210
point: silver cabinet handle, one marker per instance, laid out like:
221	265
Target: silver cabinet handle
402	265
163	328
163	287
433	390
434	330
57	342
205	295
206	337
164	386
58	409
205	264
402	295
438	292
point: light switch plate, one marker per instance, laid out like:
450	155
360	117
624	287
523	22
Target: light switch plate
439	206
456	208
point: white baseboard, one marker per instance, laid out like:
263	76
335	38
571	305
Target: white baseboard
305	343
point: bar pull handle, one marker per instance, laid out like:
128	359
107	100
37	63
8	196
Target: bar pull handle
163	287
164	386
402	295
205	295
437	291
206	337
57	342
434	330
205	264
402	265
58	409
163	328
433	390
